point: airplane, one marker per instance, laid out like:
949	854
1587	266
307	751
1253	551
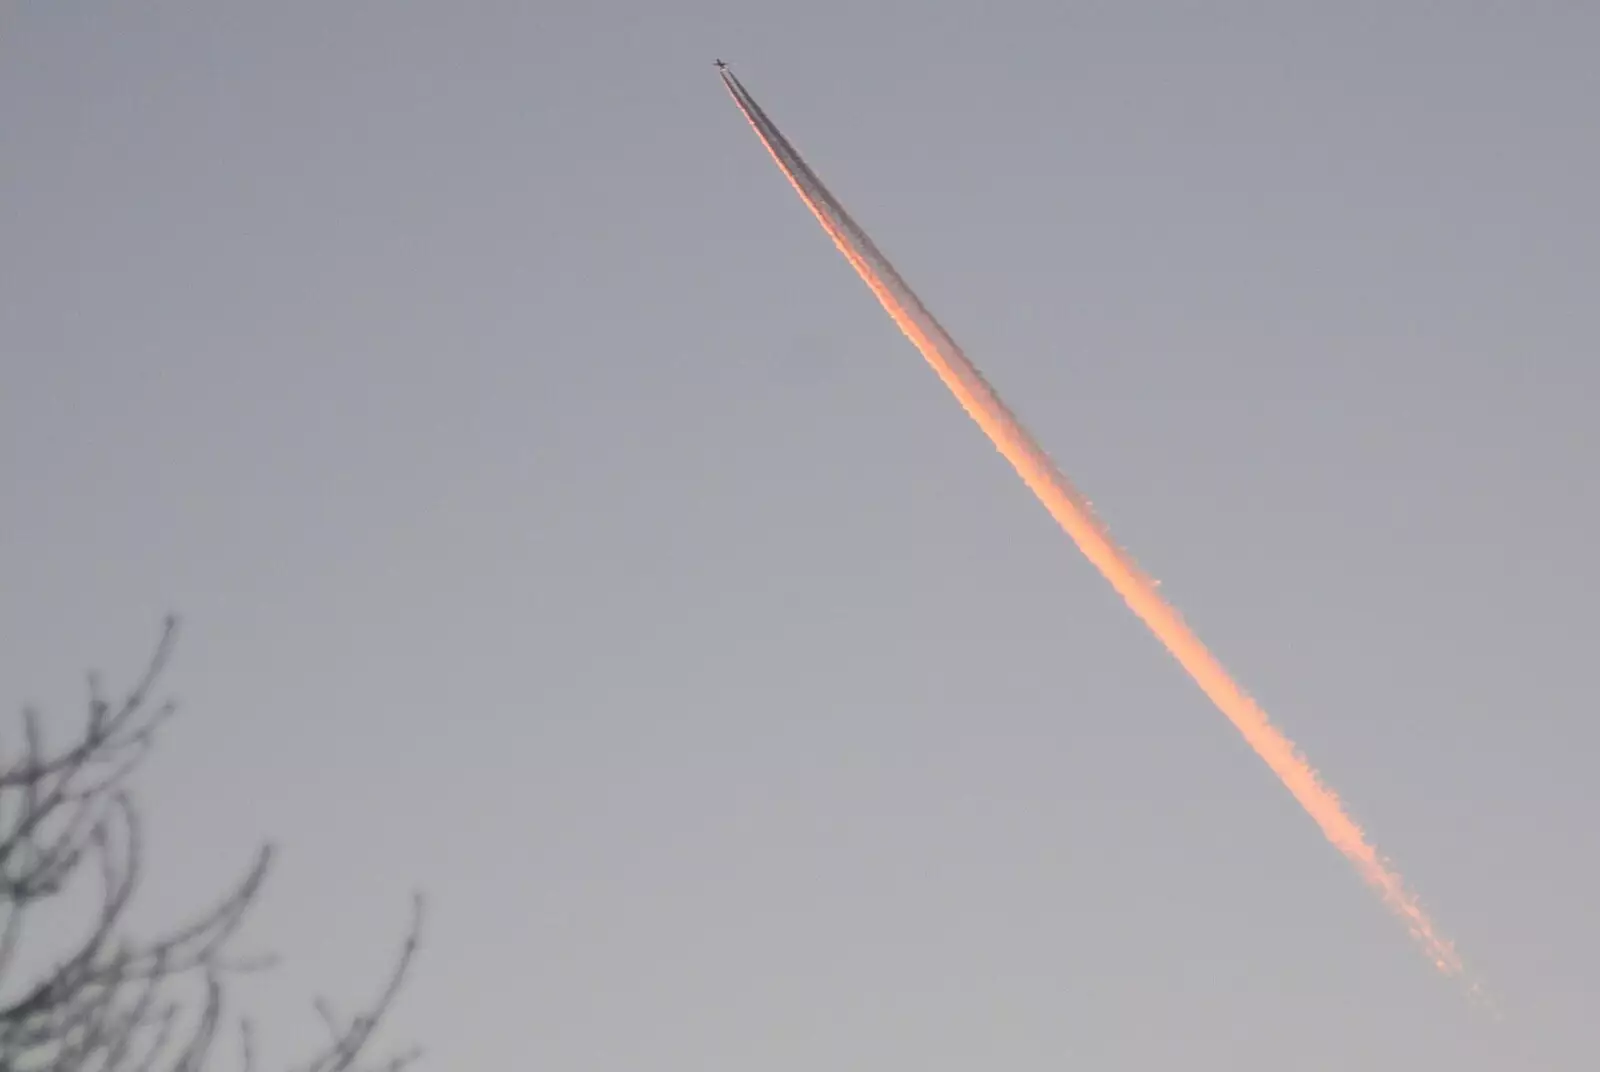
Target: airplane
721	66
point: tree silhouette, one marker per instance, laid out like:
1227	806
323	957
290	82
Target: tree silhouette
113	1003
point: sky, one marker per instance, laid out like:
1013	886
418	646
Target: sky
560	528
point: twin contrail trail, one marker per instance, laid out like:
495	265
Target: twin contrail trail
1072	511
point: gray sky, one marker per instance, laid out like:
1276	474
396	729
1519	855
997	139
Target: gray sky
560	526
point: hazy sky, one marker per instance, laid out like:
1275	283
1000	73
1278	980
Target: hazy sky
560	527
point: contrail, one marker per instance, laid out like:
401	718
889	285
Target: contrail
1072	511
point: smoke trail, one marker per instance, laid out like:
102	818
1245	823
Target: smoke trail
1072	511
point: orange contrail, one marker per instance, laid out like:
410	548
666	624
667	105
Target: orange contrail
1072	511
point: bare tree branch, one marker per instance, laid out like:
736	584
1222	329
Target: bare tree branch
114	1003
